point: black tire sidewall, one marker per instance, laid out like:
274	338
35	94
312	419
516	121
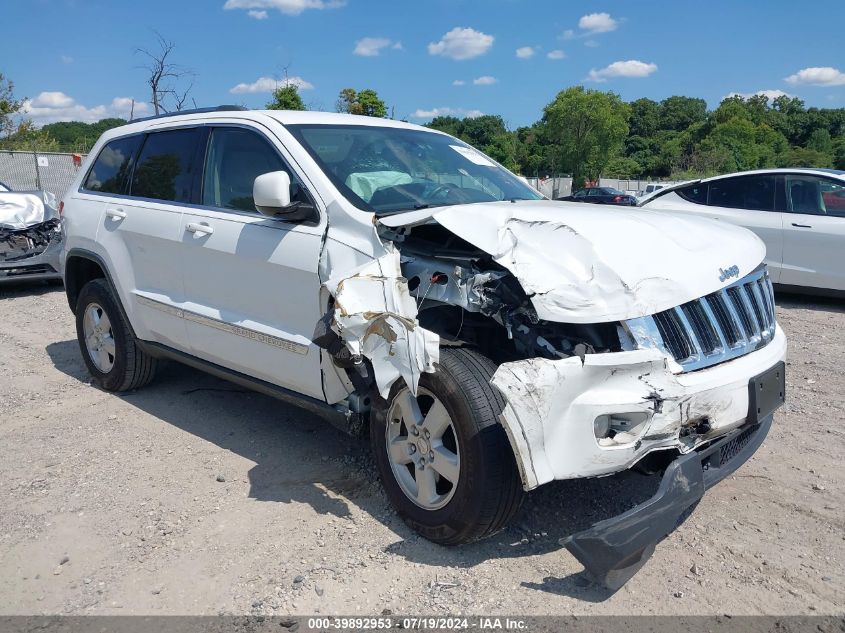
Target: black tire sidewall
459	516
97	291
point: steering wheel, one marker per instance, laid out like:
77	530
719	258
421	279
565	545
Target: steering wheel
440	189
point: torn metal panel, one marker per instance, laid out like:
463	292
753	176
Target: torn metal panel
376	317
592	416
433	279
586	264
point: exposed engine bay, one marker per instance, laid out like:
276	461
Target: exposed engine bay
467	298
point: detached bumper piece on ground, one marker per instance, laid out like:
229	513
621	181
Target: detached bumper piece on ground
612	551
30	236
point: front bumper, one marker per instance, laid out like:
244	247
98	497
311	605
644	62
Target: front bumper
45	265
615	549
553	405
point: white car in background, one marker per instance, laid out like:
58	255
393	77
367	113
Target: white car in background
799	213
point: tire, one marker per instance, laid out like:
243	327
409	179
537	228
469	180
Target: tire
120	365
488	491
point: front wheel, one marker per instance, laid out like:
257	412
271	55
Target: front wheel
444	459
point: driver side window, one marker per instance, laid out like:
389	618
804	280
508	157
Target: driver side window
236	157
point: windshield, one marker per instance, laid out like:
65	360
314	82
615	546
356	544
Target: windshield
388	170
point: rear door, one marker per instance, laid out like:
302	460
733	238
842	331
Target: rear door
749	201
141	233
251	283
814	232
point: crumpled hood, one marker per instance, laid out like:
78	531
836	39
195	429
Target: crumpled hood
591	264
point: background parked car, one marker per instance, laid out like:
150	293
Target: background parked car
799	214
30	236
601	195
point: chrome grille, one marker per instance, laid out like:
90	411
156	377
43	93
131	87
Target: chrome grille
726	324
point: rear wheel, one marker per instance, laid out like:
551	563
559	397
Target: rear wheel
109	348
444	459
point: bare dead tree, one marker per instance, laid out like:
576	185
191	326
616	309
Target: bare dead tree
164	76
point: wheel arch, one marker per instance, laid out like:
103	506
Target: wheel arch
82	266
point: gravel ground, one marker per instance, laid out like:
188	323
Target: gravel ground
193	496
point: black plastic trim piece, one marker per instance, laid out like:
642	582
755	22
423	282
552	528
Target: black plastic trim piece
615	549
318	407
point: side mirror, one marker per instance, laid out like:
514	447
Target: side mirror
271	193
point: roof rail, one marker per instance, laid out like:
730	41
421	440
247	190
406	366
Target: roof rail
220	108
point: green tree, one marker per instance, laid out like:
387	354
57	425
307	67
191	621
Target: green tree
588	127
9	106
286	97
806	157
679	113
645	118
366	103
622	167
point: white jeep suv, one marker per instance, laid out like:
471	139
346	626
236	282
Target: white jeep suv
401	283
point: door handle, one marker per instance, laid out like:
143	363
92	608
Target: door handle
116	214
199	227
802	226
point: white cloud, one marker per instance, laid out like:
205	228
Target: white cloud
52	100
817	76
591	43
770	94
257	15
525	52
630	68
66	59
52	106
486	80
556	54
288	7
268	84
459	82
462	43
568	34
458	112
598	23
372	46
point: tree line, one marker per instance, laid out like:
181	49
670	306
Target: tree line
584	133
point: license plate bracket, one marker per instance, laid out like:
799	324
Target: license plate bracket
766	393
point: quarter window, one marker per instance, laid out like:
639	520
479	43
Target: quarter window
696	193
111	170
747	192
236	157
165	169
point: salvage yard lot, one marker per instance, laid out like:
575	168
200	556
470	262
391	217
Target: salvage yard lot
194	496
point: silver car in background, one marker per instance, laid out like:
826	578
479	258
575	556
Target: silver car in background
30	236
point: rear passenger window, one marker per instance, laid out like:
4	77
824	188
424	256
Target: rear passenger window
236	157
747	192
165	169
696	193
112	167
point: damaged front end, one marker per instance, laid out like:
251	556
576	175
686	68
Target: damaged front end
600	372
30	236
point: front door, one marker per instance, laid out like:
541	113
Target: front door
251	283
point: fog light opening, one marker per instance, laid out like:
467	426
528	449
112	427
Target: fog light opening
619	429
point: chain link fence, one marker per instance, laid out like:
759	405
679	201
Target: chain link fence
50	171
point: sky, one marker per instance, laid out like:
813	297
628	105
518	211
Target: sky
79	59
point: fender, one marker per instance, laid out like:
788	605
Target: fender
83	253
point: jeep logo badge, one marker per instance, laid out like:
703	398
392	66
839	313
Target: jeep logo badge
727	273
